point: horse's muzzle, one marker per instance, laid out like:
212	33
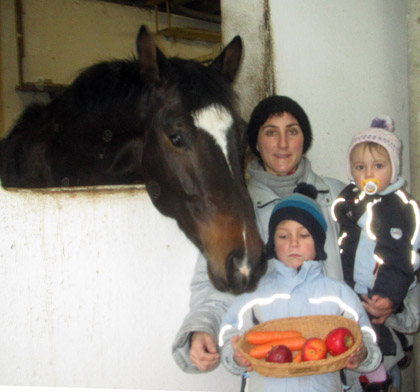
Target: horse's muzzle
242	275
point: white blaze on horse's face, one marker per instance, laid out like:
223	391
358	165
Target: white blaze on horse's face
216	120
244	269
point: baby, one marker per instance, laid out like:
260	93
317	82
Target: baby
379	225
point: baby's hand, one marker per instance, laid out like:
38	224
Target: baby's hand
380	308
355	359
238	357
381	302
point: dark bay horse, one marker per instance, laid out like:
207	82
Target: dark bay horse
166	122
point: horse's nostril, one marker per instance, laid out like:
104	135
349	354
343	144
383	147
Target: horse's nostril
244	270
237	271
241	275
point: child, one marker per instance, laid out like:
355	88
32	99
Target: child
378	226
296	287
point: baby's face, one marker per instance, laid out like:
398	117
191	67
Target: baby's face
293	244
370	163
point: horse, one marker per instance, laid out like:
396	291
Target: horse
169	123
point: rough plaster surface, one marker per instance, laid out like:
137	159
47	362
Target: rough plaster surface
248	18
413	22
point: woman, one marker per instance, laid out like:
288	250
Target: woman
279	134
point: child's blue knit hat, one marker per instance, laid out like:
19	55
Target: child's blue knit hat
300	207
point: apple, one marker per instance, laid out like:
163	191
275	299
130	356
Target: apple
339	340
279	354
314	349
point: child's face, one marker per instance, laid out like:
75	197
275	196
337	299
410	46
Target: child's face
293	244
368	163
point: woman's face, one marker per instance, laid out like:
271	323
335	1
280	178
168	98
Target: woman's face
280	144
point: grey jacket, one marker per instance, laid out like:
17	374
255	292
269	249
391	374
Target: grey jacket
265	194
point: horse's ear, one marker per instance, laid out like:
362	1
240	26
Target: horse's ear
149	56
227	63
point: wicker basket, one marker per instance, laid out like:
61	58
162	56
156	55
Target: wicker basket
309	326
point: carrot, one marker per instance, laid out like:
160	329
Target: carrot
298	357
293	343
261	337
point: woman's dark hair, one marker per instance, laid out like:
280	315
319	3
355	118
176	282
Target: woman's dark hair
277	104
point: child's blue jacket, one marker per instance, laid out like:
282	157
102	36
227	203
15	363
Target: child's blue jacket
287	292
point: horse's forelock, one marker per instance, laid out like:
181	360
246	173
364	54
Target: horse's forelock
210	86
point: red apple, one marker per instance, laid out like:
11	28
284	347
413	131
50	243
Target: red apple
314	349
279	354
339	340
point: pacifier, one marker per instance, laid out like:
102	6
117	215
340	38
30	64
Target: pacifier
370	186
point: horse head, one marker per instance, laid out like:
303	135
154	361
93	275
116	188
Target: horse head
167	122
193	160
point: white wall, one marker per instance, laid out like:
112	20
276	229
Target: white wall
93	287
345	62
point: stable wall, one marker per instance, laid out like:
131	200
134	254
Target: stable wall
94	285
413	22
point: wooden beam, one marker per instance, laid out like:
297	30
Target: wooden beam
191	34
50	88
152	3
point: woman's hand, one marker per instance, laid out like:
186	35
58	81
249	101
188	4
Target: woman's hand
355	359
238	357
203	352
380	308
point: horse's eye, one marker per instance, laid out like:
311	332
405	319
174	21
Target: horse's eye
176	139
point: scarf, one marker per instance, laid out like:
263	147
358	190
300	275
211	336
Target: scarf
282	186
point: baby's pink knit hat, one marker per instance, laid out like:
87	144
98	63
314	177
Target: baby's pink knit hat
381	131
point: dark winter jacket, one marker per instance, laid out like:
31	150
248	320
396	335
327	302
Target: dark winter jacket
378	240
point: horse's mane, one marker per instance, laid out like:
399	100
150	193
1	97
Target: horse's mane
209	86
102	85
116	85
